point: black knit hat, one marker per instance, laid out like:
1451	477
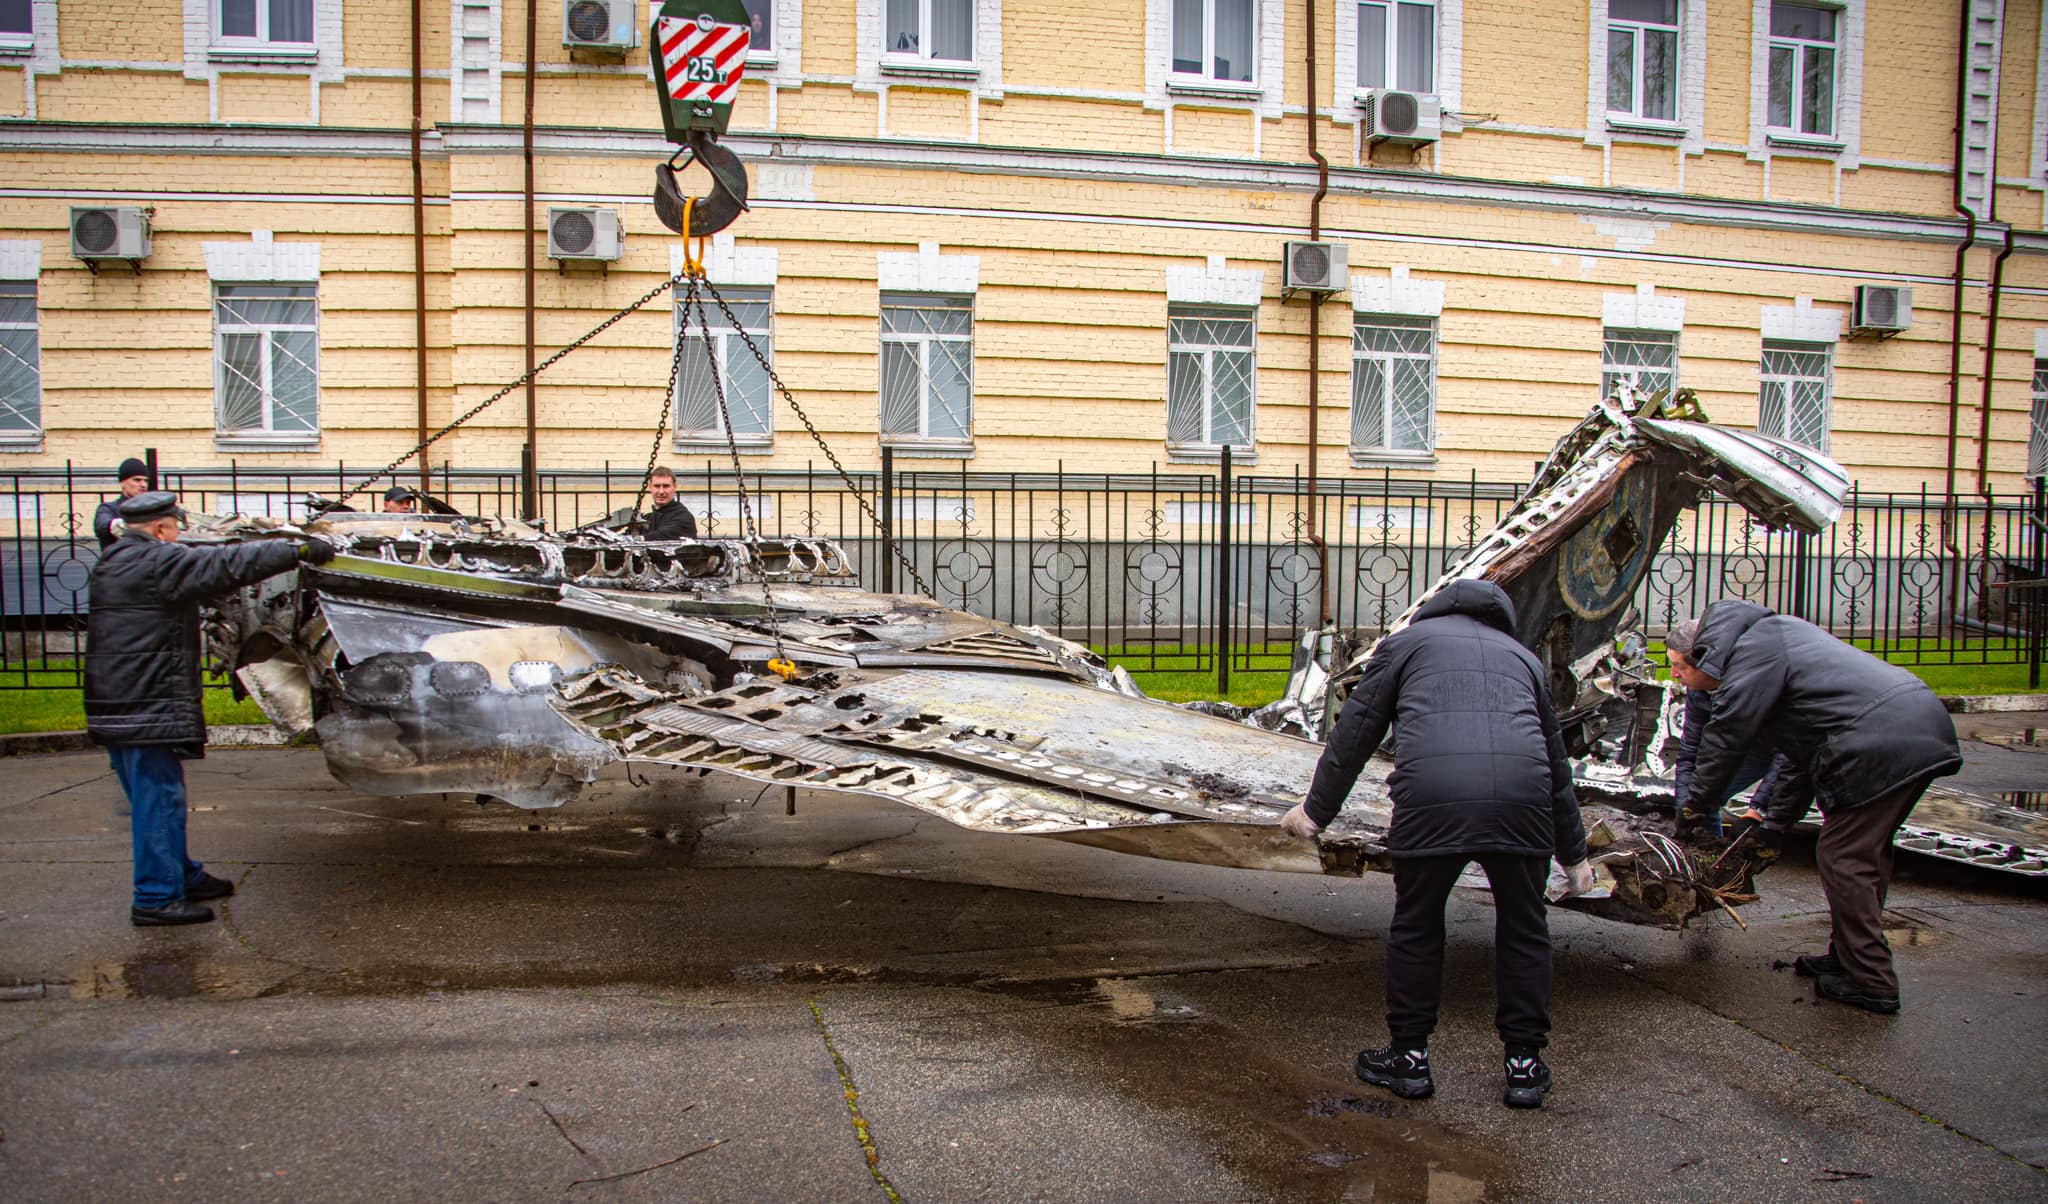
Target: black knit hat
144	507
132	467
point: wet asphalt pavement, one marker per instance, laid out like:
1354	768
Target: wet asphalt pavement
680	992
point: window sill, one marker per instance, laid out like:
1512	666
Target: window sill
930	449
16	45
716	443
1383	457
1804	142
1212	90
21	441
279	56
1621	123
931	69
1210	454
265	443
765	60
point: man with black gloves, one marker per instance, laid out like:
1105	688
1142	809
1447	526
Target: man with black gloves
667	518
1480	774
134	478
1700	818
1863	739
142	685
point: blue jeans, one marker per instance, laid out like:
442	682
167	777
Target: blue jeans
153	777
1752	770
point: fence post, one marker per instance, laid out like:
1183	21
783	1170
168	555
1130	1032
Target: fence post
2037	528
1223	598
886	507
149	466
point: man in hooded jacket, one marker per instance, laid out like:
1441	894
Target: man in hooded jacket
1863	739
1480	774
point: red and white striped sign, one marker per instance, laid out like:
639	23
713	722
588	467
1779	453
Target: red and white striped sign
702	59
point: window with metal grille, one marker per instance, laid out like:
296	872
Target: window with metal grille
266	359
1796	393
929	29
264	22
1215	39
1393	384
21	361
749	399
927	368
1397	45
1209	369
1642	59
2037	423
1645	360
1802	69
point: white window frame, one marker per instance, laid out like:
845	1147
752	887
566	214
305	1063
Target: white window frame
1390	15
1386	361
1635	29
267	433
262	42
1782	382
923	343
1207	77
1207	446
1800	48
921	56
757	53
726	349
32	434
1611	367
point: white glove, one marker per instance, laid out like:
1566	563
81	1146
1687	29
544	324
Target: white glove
1297	823
1579	877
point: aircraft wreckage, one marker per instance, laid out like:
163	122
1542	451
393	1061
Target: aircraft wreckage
439	653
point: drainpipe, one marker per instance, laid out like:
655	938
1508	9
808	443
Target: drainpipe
529	484
1990	349
1955	332
1315	331
419	246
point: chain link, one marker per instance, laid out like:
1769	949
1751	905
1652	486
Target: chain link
668	399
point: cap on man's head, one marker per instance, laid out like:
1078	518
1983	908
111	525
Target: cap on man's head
398	493
149	506
132	467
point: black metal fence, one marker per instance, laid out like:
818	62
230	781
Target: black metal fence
1207	572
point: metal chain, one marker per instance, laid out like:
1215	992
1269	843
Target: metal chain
668	399
494	398
851	486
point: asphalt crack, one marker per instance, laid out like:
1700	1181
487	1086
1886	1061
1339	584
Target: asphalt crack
861	1132
59	790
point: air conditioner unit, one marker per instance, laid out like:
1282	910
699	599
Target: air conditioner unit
1314	267
584	234
1882	310
1413	118
101	232
601	24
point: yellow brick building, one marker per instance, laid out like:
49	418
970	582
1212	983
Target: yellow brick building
1011	235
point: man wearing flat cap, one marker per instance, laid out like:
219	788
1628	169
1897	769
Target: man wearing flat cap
142	687
134	477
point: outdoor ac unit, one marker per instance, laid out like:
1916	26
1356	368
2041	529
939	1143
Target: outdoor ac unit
1882	310
1315	267
109	232
601	24
584	234
1413	118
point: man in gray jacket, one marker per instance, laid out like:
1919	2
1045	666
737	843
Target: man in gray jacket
1863	739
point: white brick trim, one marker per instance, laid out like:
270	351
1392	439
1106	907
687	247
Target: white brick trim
476	79
1800	322
729	263
2037	153
262	261
1643	309
21	258
1398	294
2041	342
926	271
1214	284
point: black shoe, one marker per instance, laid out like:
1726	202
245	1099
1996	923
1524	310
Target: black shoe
1813	965
177	911
1841	990
1527	1079
206	886
1405	1072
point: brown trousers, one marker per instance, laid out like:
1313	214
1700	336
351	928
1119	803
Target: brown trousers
1855	862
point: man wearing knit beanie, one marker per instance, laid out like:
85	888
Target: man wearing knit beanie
134	477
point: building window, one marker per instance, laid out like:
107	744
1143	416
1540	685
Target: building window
1802	69
927	368
761	15
21	361
264	22
749	398
17	21
1214	39
1209	370
1642	59
1397	45
930	29
1393	384
2037	423
1645	360
266	360
1796	393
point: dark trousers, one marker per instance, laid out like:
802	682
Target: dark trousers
153	777
1855	861
1521	946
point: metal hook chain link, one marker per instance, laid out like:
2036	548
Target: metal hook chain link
668	400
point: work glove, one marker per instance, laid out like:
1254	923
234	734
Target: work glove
1579	878
1297	823
316	551
1763	845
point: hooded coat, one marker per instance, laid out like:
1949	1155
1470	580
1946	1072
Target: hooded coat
1853	727
1480	767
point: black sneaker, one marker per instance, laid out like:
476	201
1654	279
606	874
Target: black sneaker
177	911
1841	990
1813	965
206	886
1405	1072
1527	1079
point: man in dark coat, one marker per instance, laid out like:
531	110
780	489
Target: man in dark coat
1480	774
142	684
1863	738
667	518
134	477
1701	817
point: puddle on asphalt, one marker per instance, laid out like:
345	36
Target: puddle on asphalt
2028	737
180	975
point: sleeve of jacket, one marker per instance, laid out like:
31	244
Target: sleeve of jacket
1568	827
1361	725
1750	686
689	523
202	572
103	523
1699	707
1785	795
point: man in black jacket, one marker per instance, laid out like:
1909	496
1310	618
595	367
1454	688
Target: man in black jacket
142	685
1700	818
1480	774
667	518
1863	739
134	477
